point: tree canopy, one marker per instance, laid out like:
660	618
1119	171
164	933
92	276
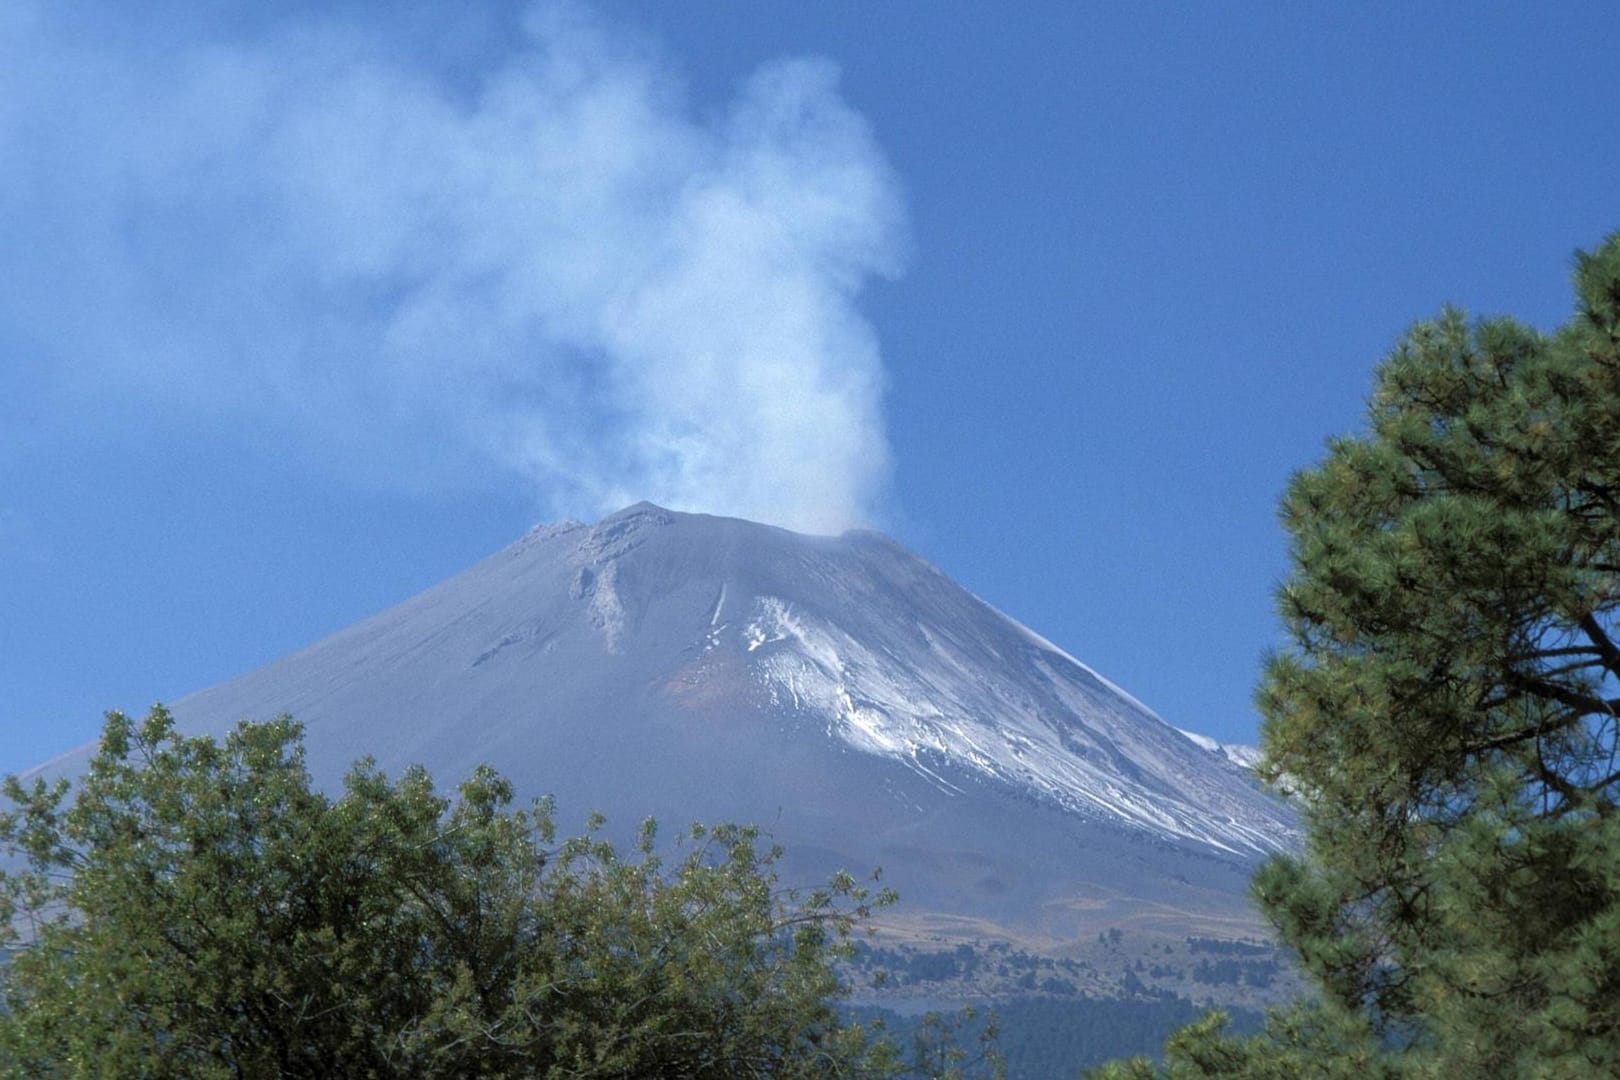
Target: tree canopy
198	910
1447	716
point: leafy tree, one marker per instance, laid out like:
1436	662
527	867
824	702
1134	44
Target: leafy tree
198	910
1448	716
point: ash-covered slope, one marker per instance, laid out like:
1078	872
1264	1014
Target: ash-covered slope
840	692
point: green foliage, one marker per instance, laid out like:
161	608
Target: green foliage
1302	1041
197	910
1448	716
1049	1038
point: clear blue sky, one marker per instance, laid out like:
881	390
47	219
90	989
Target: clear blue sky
308	307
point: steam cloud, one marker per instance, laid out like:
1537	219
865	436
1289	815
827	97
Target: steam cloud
555	266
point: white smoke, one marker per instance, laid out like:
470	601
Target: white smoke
557	268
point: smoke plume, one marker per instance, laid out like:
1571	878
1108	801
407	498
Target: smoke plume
555	269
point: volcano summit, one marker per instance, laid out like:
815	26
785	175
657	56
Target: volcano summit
840	692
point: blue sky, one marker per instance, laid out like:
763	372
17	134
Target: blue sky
308	308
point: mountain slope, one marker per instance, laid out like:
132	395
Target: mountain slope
840	692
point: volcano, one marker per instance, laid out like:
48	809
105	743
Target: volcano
860	707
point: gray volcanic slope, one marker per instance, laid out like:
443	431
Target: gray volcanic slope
840	692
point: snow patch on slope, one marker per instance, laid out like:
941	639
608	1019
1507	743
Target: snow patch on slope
1236	753
924	702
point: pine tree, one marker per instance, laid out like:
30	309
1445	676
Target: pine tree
1449	715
